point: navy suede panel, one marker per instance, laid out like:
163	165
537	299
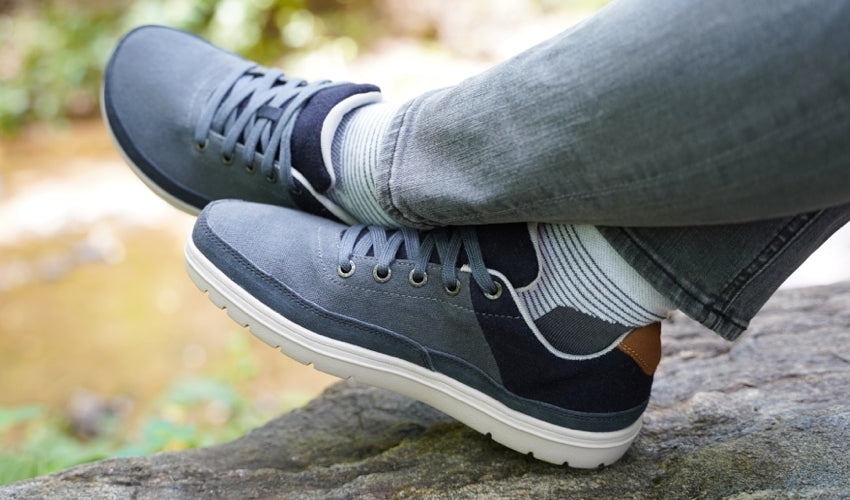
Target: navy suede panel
279	297
584	421
609	383
508	249
306	202
305	142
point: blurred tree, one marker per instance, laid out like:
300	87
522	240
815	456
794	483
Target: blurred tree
54	51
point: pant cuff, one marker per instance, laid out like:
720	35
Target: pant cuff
390	194
688	297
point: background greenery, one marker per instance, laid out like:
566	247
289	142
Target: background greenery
55	50
137	303
192	412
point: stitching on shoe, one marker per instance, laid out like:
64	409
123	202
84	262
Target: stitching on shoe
422	351
640	360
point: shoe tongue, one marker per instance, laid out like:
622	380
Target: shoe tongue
305	142
508	248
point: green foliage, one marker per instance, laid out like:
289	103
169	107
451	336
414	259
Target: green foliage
56	50
46	447
192	412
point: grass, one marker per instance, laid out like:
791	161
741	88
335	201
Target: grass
192	412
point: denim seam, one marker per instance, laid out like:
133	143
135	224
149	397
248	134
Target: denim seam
708	303
771	251
424	357
393	149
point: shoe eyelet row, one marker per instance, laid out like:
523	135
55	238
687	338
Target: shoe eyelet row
345	274
379	278
495	295
411	278
454	290
228	160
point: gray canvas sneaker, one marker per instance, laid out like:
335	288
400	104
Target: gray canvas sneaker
432	315
197	123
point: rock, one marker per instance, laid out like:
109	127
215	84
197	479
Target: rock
766	417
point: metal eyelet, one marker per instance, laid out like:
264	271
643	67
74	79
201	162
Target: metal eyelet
250	169
271	179
295	191
227	160
379	278
202	146
454	290
343	273
495	295
417	283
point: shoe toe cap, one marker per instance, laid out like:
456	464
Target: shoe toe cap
156	75
156	84
278	242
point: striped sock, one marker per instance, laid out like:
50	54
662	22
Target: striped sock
354	154
579	269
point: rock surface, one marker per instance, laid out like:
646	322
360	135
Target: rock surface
765	417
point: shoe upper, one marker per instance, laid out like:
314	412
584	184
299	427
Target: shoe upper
201	123
429	298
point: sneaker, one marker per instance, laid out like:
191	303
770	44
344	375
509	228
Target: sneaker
433	315
197	123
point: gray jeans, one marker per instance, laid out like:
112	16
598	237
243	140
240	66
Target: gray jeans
712	139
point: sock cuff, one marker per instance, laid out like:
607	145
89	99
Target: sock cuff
580	269
354	157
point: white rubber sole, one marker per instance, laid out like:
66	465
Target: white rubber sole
527	435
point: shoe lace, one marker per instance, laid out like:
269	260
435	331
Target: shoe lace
257	107
419	247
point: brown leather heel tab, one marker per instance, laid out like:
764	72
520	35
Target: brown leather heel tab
644	346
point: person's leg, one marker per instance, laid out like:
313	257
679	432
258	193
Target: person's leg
651	113
722	275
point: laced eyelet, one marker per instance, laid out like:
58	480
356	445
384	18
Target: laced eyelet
417	283
202	146
454	290
271	179
495	295
343	273
227	160
250	169
379	278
